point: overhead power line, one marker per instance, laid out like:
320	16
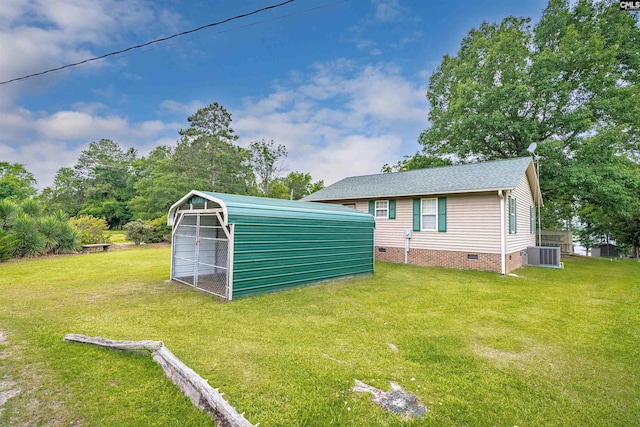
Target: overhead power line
117	52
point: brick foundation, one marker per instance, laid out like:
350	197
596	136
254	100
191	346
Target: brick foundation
516	260
451	259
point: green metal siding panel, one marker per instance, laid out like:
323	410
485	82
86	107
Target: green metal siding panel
274	254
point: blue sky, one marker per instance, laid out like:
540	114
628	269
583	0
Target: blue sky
342	86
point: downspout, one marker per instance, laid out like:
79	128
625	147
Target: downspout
503	239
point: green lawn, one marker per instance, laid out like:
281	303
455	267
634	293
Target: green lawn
550	347
117	236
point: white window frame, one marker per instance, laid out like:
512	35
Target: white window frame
349	205
376	209
422	214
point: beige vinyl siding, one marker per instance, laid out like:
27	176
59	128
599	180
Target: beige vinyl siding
524	200
361	205
473	224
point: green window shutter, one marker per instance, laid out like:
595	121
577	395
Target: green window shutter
392	209
442	214
372	207
416	214
515	216
509	214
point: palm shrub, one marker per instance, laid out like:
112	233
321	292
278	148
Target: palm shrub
69	238
7	244
51	231
31	207
8	213
28	239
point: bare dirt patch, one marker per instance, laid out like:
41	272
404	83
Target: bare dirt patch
3	339
8	389
492	353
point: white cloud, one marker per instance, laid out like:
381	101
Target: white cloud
170	106
339	119
391	11
40	34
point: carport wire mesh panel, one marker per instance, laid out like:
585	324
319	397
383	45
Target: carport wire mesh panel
201	254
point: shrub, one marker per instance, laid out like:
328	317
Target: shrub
7	245
90	229
8	213
28	239
59	236
31	207
139	231
161	231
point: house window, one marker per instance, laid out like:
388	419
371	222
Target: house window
382	209
349	205
429	214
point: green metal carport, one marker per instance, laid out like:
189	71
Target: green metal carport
234	246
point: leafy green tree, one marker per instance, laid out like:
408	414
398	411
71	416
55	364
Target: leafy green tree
266	159
607	186
159	183
67	192
511	85
105	169
206	154
298	184
15	181
100	184
417	161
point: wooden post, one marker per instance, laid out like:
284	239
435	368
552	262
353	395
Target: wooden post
193	385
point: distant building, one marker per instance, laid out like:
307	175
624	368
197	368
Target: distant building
562	239
605	250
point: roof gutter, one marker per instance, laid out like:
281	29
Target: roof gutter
503	237
388	196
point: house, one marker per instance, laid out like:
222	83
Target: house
479	216
605	249
233	246
562	239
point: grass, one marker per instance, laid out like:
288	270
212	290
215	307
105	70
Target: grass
117	236
550	347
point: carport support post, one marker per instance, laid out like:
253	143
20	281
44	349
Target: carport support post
232	228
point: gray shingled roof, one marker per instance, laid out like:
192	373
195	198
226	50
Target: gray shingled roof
471	177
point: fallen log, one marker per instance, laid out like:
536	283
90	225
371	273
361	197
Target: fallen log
193	385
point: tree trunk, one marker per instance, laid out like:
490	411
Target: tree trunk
193	385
